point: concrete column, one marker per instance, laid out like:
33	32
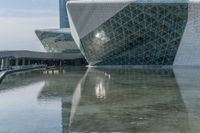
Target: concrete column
23	62
16	62
7	63
29	62
2	63
60	63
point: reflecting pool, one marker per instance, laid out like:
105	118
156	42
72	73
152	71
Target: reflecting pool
101	100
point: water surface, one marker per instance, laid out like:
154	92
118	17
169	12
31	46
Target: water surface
101	100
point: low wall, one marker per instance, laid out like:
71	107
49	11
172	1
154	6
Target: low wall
18	69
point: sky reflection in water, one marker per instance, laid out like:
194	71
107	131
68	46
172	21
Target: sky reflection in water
101	100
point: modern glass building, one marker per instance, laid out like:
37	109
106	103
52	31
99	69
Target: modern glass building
58	40
137	32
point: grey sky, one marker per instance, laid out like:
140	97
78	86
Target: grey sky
19	19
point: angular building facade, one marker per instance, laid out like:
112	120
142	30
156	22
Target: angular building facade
140	32
57	40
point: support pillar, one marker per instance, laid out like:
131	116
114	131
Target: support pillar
60	63
29	62
23	62
7	63
2	64
16	62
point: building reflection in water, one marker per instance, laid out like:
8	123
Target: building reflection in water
101	85
100	90
67	88
131	100
126	100
59	86
189	84
134	100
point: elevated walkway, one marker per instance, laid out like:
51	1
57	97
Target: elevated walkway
18	69
22	57
40	55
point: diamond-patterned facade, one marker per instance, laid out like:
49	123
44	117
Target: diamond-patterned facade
140	34
57	41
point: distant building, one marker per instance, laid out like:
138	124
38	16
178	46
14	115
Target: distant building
63	14
58	40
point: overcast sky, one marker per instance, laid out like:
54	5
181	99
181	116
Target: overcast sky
19	19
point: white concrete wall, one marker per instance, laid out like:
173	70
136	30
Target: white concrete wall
89	15
189	50
73	30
